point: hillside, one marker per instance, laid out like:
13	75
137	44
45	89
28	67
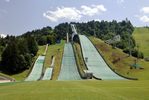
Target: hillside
120	62
141	35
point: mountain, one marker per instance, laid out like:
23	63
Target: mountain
2	35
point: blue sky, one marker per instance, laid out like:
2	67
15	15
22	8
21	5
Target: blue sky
19	16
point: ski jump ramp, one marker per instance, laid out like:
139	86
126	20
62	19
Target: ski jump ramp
69	71
37	69
48	74
96	63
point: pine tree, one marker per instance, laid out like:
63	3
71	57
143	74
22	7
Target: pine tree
10	57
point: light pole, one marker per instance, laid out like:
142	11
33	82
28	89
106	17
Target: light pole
114	30
94	29
138	51
129	37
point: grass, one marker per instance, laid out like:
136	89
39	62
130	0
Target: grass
84	90
79	58
141	35
121	62
76	90
57	51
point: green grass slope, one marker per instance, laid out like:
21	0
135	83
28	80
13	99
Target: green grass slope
57	51
141	35
84	90
76	90
120	62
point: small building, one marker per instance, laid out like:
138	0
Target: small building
89	74
146	59
58	41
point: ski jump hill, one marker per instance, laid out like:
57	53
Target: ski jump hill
96	63
69	69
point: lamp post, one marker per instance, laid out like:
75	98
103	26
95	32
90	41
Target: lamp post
129	37
94	29
114	31
138	51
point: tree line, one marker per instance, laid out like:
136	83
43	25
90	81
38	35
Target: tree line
104	30
17	53
44	35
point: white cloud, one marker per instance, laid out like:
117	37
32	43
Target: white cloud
145	10
91	11
137	16
7	0
101	7
2	35
72	13
120	1
86	21
64	12
144	19
97	20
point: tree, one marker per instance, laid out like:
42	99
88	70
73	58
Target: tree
23	46
22	62
1	49
42	40
32	45
28	59
51	39
10	58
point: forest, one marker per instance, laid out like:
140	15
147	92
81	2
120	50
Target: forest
16	51
104	30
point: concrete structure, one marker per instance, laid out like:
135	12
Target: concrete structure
113	40
67	36
74	30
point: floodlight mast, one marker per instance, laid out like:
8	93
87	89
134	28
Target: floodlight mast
94	29
114	30
138	51
129	37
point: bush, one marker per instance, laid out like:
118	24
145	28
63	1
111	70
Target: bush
27	57
134	52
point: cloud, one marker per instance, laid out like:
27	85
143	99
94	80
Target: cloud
3	35
64	12
137	16
91	11
7	0
145	10
72	13
144	19
120	1
97	20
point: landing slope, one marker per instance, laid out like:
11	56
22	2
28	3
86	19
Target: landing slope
37	69
48	74
69	69
95	61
